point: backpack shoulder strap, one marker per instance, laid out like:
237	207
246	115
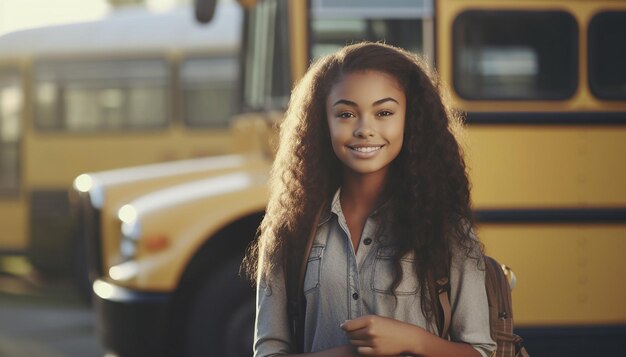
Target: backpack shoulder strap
296	304
498	289
499	298
500	310
443	294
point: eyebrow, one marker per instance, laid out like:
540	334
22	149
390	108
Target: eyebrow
353	104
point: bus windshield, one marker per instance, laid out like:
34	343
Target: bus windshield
403	23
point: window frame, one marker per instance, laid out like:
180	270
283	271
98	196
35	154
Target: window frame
182	94
422	11
572	87
20	77
266	100
592	58
169	104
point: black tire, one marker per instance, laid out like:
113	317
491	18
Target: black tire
220	319
80	269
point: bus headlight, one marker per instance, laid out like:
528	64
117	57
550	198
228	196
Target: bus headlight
127	214
131	231
124	271
83	183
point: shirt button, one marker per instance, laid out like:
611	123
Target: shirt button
355	296
367	241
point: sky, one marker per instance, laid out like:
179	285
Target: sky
22	14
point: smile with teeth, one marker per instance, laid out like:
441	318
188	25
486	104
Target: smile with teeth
365	148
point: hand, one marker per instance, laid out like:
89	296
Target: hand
381	336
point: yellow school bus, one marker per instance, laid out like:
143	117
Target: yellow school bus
133	88
543	87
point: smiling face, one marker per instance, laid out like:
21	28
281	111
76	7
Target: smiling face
366	114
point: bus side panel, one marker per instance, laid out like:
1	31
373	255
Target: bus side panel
547	166
59	157
13	223
568	274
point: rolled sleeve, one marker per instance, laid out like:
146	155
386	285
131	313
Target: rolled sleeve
470	310
271	331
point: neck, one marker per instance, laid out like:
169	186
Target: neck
362	192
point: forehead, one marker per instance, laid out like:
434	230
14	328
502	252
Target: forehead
366	85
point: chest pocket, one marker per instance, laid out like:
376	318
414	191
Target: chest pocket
382	276
313	268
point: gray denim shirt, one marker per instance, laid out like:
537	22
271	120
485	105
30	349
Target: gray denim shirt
340	285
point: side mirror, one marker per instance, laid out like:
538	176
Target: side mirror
204	10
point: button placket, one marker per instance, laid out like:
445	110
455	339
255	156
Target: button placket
353	281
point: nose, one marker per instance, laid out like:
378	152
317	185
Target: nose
364	129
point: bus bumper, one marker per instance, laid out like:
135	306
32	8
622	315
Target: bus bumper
129	322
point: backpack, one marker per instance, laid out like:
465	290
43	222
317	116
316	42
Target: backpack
500	310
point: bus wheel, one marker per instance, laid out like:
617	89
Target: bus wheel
220	320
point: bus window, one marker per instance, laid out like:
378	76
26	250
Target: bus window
398	22
208	91
267	71
10	130
78	96
515	55
607	55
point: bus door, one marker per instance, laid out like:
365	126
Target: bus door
282	37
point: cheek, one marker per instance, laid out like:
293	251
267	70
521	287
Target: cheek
396	135
335	138
338	133
397	132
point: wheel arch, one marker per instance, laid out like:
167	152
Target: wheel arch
228	242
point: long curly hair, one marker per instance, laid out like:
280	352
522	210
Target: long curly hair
428	176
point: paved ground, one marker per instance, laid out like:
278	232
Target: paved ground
44	319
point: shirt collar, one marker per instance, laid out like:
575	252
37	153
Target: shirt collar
335	206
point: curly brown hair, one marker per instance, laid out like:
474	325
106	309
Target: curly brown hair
428	176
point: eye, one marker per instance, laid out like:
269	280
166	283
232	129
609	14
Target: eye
345	115
384	113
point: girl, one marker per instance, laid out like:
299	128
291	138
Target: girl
368	142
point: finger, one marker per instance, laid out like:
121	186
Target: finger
360	343
355	324
366	351
360	334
